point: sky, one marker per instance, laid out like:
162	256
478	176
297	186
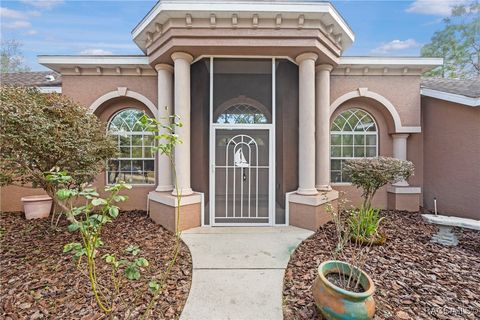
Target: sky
383	28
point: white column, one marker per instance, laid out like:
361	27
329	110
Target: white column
322	133
400	152
306	106
165	109
182	62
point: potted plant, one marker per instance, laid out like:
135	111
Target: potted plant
36	207
342	289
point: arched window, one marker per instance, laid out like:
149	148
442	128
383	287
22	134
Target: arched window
242	113
353	135
135	163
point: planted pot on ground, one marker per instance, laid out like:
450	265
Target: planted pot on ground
36	207
338	298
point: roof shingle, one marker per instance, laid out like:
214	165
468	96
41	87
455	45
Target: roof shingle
32	79
467	88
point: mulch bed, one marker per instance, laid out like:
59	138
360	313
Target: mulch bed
39	281
414	278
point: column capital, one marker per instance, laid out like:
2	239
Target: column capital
324	67
182	55
306	56
400	135
164	66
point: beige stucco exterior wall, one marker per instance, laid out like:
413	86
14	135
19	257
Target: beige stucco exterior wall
402	91
87	89
451	157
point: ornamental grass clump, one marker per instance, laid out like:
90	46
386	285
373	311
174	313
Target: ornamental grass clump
364	225
41	131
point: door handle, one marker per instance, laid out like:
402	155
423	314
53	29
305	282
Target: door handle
244	177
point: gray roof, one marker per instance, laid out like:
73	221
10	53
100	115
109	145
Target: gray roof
467	88
32	79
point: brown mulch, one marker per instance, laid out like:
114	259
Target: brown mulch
39	281
414	278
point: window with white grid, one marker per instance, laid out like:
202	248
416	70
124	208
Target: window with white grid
135	163
353	134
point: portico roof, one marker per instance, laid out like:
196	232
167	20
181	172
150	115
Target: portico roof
269	10
228	24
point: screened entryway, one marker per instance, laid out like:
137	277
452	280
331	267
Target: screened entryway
242	145
244	138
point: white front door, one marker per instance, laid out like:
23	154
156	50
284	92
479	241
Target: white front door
242	174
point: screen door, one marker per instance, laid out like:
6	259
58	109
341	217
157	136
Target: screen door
242	177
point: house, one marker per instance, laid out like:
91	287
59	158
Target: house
45	81
270	107
451	146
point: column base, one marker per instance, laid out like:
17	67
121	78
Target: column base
163	205
310	212
402	183
322	188
164	188
307	192
183	192
403	198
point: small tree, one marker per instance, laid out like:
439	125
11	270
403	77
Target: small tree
458	43
11	57
44	131
370	174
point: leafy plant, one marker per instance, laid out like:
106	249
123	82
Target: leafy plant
44	131
370	174
88	220
91	217
364	223
165	141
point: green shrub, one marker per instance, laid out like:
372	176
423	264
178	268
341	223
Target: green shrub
41	131
370	174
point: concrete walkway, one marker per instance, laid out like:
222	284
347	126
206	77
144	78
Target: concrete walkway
238	272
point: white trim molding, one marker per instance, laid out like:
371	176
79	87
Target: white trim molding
456	98
98	65
385	65
50	89
404	190
364	92
123	92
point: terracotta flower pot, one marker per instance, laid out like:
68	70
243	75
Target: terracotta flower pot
338	303
36	207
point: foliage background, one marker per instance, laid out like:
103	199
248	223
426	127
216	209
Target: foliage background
42	131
